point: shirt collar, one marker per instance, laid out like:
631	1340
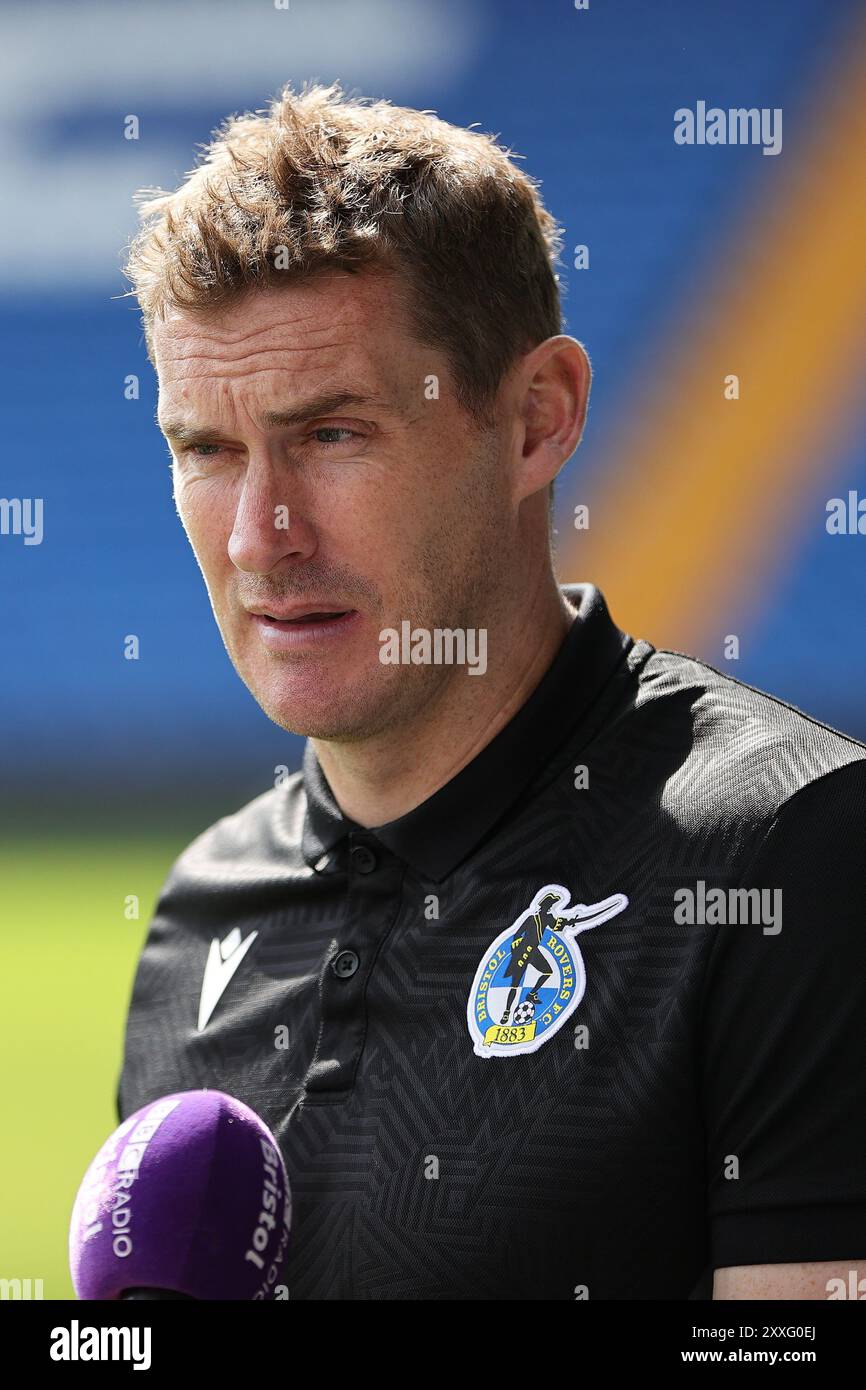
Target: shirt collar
437	835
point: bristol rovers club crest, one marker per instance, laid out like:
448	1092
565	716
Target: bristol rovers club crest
532	977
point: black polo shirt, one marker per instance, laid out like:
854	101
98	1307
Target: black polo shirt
669	1078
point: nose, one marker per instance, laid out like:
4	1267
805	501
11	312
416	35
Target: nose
268	525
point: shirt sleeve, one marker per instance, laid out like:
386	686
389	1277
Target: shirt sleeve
783	1042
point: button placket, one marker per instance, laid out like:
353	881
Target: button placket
374	891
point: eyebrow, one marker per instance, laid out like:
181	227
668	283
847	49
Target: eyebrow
182	433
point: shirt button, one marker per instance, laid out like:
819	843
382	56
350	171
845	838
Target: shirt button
363	859
345	964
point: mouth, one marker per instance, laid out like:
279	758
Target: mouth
302	625
315	616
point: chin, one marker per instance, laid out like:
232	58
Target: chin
322	723
328	699
317	710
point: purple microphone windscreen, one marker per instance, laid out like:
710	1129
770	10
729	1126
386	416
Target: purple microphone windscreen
188	1195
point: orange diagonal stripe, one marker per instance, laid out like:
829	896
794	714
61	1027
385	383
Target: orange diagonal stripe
700	490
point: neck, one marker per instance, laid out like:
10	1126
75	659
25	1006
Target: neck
381	778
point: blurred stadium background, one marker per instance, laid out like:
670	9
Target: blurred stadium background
707	517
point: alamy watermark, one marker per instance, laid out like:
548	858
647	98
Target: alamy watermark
77	1343
22	516
439	646
739	125
21	1289
729	907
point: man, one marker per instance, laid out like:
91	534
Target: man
355	324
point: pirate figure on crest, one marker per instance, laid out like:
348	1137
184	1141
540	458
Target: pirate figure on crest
501	1022
526	951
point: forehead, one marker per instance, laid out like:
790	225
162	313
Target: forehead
336	322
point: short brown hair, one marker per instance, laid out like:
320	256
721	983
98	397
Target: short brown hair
320	180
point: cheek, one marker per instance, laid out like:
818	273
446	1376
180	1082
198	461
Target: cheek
207	510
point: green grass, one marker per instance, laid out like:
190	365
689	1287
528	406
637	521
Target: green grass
67	959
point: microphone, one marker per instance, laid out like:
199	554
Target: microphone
187	1199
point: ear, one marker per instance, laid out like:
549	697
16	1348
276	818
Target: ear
552	387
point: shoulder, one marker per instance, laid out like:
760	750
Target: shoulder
736	759
259	842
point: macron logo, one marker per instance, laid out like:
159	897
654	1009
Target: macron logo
223	960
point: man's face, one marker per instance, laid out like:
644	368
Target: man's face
315	473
